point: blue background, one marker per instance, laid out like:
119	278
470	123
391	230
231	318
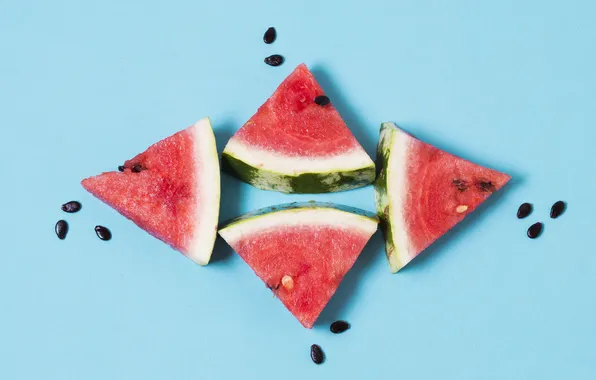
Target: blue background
86	85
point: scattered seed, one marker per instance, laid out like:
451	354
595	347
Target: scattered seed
461	208
120	168
274	60
535	230
316	354
137	168
103	233
270	35
524	210
322	100
61	229
287	282
460	184
557	209
72	206
338	327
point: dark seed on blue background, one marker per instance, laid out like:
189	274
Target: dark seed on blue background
274	60
524	210
61	229
557	209
120	168
322	100
103	233
316	354
270	35
72	206
338	327
535	230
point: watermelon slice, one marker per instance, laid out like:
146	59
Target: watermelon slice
421	192
294	145
171	190
301	250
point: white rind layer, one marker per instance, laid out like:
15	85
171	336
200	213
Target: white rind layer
315	216
208	188
355	159
396	192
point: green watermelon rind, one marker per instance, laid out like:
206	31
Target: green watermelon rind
291	207
303	183
383	205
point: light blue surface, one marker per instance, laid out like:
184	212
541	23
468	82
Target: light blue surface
85	85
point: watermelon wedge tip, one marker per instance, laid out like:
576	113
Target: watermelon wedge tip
172	190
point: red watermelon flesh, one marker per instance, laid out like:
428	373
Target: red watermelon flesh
302	254
422	192
171	190
290	123
431	208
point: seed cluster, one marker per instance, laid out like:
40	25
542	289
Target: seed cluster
75	206
535	230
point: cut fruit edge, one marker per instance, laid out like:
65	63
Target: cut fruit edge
209	186
392	150
289	174
298	214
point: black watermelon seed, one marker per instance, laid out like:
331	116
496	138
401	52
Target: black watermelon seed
338	327
524	210
72	206
486	186
557	209
61	229
103	233
270	35
120	168
316	354
322	100
136	168
535	230
274	60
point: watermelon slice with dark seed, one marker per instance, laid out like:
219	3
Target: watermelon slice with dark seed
171	190
301	251
298	144
421	192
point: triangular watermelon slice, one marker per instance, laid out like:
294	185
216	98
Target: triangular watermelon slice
301	250
421	192
171	190
298	143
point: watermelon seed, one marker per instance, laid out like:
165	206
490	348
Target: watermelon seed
316	354
61	229
103	233
72	206
535	230
270	35
322	100
338	327
461	208
460	184
557	209
120	168
274	60
137	168
287	282
486	186
524	210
